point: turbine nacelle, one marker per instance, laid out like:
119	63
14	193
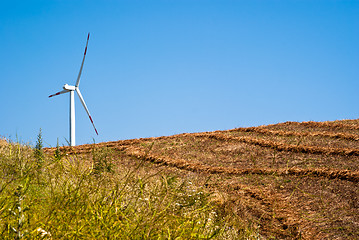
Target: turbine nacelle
69	87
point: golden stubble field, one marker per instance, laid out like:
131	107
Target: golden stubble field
288	181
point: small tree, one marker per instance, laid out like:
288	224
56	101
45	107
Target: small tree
57	153
38	151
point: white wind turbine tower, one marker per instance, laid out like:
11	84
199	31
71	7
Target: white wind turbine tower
72	89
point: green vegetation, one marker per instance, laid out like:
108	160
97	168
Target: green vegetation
72	197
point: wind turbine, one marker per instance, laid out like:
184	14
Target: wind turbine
72	89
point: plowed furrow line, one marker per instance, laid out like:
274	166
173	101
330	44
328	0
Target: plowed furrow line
87	148
330	125
345	136
285	147
348	175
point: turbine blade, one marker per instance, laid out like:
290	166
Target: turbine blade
82	64
58	93
84	104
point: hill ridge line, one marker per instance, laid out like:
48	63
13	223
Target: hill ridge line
263	130
259	129
331	125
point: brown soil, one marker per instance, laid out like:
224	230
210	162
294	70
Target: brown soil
290	180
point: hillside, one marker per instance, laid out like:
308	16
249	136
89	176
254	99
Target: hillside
287	180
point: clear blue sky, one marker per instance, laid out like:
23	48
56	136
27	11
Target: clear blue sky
158	68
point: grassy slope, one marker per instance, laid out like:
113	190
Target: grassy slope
288	180
285	181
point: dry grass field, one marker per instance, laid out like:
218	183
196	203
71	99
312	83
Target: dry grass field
287	181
